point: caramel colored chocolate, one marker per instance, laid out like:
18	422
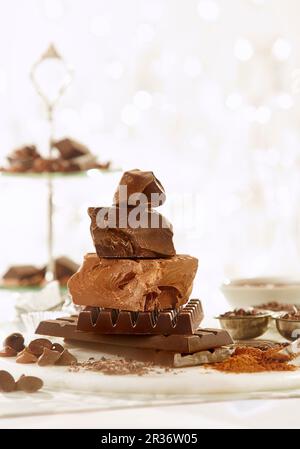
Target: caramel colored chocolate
70	149
112	239
135	285
137	182
201	340
110	321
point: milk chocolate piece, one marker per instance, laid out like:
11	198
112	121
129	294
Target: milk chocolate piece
7	382
48	357
66	359
138	182
70	148
15	341
29	384
7	351
22	159
26	357
38	345
64	269
24	275
57	347
154	237
135	285
110	321
201	340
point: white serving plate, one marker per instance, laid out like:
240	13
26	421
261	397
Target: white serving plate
256	291
186	381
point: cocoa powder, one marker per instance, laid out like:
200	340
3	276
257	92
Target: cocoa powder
254	360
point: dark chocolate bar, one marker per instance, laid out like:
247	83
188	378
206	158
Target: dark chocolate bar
110	321
201	340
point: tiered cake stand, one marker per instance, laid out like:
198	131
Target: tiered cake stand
51	89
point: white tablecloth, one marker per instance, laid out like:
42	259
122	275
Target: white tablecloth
59	409
282	413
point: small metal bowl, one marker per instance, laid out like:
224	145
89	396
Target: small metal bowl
245	327
289	329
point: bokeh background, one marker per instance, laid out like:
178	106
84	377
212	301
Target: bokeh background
203	92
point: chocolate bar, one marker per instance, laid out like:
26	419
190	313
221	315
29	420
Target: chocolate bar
134	285
113	236
166	359
140	182
201	340
109	321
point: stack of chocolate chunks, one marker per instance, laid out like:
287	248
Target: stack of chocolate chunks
135	289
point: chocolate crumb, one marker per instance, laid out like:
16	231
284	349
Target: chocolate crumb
114	367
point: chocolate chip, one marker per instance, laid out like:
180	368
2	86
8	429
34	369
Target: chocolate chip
29	384
48	357
37	346
26	356
57	347
7	382
66	359
7	351
15	341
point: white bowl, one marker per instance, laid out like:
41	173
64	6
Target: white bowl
256	291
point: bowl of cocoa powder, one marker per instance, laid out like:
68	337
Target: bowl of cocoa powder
243	324
288	325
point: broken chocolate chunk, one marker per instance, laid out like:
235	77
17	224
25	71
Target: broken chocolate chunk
136	285
70	148
22	159
141	184
24	275
64	269
115	233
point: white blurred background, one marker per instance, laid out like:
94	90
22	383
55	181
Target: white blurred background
203	92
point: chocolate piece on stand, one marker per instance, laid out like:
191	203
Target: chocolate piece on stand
70	148
135	285
110	321
22	159
24	275
65	268
138	182
28	275
114	237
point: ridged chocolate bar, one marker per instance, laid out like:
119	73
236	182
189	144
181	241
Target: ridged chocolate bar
166	322
201	340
